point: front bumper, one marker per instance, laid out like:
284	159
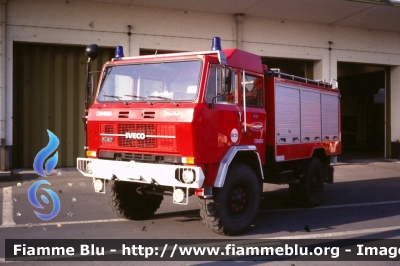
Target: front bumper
147	173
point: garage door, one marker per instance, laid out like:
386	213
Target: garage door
48	93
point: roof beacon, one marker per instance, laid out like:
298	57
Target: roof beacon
216	44
119	52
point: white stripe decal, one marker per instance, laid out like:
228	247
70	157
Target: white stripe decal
147	136
159	136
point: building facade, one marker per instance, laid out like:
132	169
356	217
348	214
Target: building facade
42	63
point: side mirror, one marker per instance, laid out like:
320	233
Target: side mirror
228	81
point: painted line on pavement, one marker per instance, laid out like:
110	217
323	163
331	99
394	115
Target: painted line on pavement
125	220
335	206
337	234
65	223
8	219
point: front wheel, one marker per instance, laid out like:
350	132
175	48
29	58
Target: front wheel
310	190
235	205
125	200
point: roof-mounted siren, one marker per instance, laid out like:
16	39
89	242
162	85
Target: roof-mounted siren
119	52
216	46
91	52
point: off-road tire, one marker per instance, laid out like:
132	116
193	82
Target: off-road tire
310	190
126	202
234	206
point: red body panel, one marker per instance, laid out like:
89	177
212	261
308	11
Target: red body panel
188	123
305	150
244	60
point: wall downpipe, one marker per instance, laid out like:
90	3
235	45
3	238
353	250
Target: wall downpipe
129	33
239	30
3	13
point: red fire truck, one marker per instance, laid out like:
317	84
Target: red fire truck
215	124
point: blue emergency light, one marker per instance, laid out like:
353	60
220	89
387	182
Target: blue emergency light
216	44
119	52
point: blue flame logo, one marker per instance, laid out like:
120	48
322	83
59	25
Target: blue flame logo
49	166
44	153
33	200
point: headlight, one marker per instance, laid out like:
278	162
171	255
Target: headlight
188	176
98	185
179	195
89	168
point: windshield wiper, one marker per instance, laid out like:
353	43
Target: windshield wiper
106	72
164	98
112	96
160	97
134	96
116	97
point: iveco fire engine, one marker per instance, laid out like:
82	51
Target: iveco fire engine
215	124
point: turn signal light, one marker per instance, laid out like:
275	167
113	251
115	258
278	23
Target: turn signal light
91	154
188	160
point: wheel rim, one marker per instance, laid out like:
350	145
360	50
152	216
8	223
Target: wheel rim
238	200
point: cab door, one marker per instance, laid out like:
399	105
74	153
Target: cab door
253	115
221	113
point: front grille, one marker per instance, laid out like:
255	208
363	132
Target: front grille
123	114
106	140
147	129
138	157
165	143
149	114
156	136
109	129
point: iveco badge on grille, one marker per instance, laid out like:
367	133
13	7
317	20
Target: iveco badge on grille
134	135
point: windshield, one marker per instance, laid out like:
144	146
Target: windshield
170	81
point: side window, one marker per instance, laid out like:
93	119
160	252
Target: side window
253	90
222	80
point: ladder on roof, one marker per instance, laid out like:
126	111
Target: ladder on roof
275	72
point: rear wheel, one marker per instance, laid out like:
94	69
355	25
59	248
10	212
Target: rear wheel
235	205
310	190
127	202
